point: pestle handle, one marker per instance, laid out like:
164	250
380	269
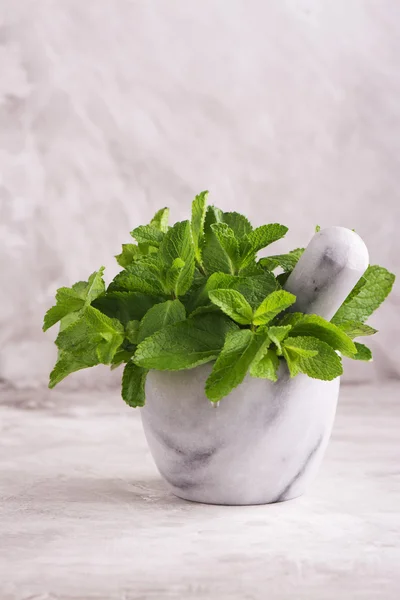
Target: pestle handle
329	268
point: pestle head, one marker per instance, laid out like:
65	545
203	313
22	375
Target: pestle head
329	268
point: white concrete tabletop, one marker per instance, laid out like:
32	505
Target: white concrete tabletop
84	514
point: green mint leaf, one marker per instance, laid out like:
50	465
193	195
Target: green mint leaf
317	327
148	234
202	310
266	367
277	334
69	300
363	353
356	329
238	223
133	385
252	270
272	305
184	345
160	220
147	249
228	243
254	289
93	330
234	304
311	356
69	319
232	364
90	340
199	206
178	243
317	228
219	249
130	253
159	316
213	215
132	331
369	294
263	236
125	306
95	286
260	238
120	357
174	275
287	262
70	362
143	276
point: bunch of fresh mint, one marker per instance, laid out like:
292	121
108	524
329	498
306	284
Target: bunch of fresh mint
195	293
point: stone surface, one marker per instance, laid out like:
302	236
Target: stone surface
288	111
84	514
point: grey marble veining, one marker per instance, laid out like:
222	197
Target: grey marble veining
265	441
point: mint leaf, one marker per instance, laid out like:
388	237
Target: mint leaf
69	300
159	316
233	304
277	334
317	327
160	220
228	243
356	329
199	206
254	289
70	362
92	329
184	345
263	236
286	262
273	304
371	291
130	252
143	276
238	223
121	356
125	306
311	356
363	353
219	248
148	234
232	364
257	239
95	286
266	367
90	340
133	385
174	276
178	243
132	331
202	310
213	215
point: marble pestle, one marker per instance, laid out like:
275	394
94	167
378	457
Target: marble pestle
329	268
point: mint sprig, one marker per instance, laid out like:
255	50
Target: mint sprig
197	292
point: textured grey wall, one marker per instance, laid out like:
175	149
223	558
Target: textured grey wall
109	110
